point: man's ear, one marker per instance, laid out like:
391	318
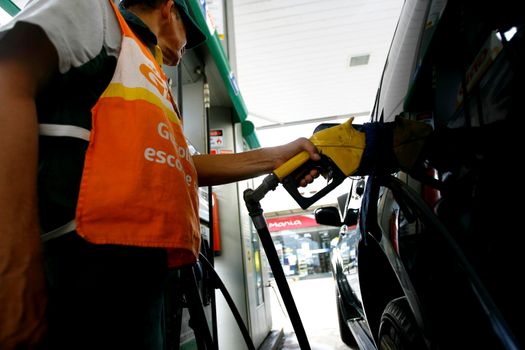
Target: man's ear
165	9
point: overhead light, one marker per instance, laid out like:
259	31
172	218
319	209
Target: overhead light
360	60
508	34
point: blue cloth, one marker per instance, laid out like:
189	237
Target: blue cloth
378	156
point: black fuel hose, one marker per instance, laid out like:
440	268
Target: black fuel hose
252	199
219	284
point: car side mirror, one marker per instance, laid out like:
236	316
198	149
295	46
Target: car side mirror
351	217
328	216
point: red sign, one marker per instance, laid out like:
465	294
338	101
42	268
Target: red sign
290	223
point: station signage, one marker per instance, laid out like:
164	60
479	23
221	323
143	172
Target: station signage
290	223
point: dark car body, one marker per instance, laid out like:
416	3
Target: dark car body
437	263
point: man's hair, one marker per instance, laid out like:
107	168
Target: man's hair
148	3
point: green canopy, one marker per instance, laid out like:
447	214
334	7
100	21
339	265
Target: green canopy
221	60
9	7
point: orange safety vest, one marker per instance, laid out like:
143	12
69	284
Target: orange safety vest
139	184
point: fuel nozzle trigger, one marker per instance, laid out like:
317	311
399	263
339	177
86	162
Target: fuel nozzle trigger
334	176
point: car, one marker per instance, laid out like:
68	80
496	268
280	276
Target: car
434	260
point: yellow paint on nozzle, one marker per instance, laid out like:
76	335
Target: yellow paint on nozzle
343	144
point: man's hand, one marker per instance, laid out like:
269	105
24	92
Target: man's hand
309	178
287	151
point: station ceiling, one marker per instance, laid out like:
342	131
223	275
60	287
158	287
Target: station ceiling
300	62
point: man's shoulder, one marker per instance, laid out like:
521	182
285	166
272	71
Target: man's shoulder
78	29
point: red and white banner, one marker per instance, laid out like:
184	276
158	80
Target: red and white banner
290	223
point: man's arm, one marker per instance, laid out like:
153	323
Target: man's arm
224	168
27	62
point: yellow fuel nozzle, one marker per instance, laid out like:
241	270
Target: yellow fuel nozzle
341	148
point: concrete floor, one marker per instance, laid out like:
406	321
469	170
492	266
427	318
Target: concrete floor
315	300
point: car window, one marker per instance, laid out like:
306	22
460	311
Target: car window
401	60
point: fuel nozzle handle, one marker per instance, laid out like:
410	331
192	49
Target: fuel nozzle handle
341	148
